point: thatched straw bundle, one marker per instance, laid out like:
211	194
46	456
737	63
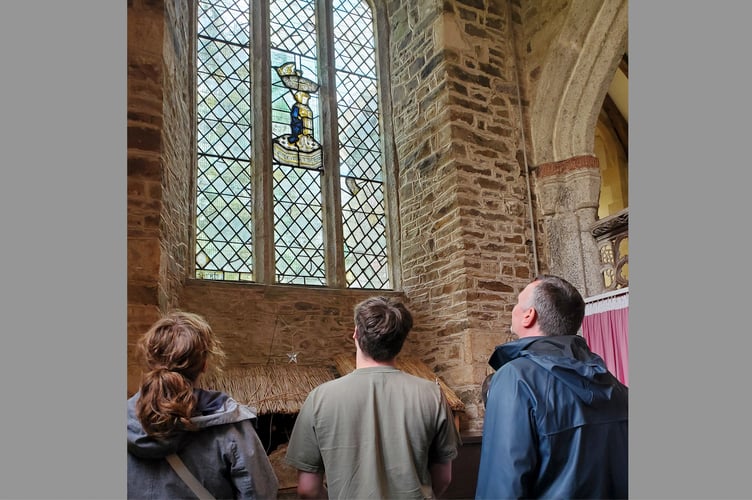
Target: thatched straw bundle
346	363
279	388
282	388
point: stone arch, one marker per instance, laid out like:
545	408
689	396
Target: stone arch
574	80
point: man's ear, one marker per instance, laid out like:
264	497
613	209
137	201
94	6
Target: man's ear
355	333
529	317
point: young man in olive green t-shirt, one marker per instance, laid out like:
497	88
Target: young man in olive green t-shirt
377	432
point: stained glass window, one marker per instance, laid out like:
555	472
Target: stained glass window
317	188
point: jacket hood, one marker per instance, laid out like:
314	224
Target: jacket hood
213	408
566	357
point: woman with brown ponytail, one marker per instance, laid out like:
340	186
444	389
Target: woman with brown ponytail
211	433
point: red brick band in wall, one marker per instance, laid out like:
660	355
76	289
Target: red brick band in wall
568	165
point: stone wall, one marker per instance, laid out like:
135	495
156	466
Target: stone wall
178	139
146	23
260	324
463	196
160	162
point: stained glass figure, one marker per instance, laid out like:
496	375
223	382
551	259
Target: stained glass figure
299	148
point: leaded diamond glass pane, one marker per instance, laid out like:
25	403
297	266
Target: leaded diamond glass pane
364	232
298	226
293	26
224	19
362	189
224	246
223	229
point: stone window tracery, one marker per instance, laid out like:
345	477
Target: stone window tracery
291	186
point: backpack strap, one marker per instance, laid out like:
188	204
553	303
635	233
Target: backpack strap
188	478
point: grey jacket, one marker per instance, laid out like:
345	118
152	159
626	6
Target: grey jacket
224	453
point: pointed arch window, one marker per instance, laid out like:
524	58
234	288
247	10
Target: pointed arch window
291	183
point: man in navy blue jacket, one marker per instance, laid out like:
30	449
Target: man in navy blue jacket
556	418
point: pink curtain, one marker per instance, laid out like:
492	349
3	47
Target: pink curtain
607	335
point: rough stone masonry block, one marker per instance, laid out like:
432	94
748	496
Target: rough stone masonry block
144	256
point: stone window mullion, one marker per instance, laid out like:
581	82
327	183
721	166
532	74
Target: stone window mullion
335	266
262	138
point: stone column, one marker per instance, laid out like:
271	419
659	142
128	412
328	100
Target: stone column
568	193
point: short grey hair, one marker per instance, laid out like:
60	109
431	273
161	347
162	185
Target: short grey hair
560	307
